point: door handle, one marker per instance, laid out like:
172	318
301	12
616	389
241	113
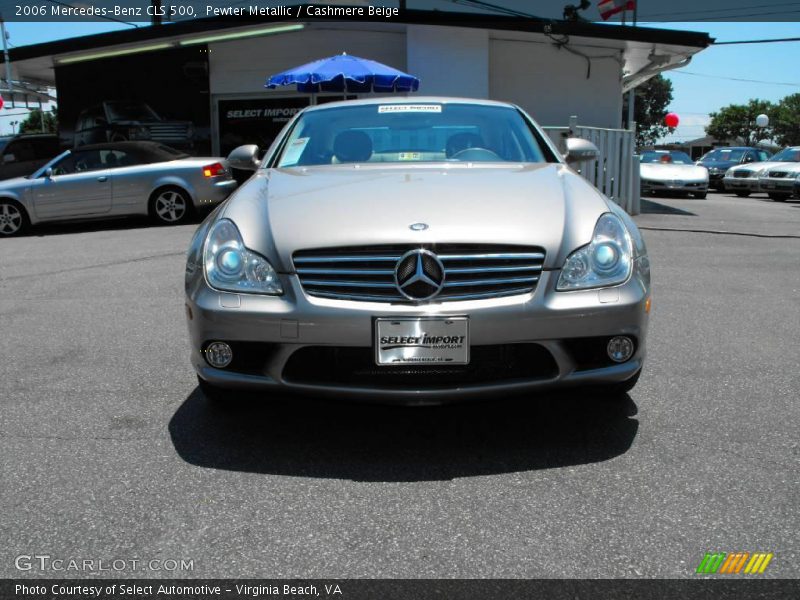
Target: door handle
102	178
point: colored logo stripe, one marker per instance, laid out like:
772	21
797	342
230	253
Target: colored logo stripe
732	563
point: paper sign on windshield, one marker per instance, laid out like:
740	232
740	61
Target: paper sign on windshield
292	154
396	108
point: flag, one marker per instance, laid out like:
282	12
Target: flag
608	8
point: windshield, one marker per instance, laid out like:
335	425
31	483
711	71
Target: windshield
402	133
725	155
131	111
672	158
787	155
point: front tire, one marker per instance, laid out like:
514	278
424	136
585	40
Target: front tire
778	197
700	195
170	206
13	219
742	193
616	392
214	394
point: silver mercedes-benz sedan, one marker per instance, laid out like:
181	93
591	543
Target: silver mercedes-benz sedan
416	249
111	180
746	179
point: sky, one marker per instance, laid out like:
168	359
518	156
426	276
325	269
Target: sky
712	80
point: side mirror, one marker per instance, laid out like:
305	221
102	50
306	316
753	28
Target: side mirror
244	158
9	158
48	174
580	150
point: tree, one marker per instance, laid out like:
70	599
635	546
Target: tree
649	109
738	121
785	121
33	122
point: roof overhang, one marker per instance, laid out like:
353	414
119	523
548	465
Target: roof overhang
644	51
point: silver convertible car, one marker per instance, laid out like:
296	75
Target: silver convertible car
112	180
416	250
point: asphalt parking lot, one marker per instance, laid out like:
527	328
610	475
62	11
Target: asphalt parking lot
109	451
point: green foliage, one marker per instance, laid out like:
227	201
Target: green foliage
785	121
738	121
649	109
33	122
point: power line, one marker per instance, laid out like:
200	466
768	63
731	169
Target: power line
796	39
747	6
682	72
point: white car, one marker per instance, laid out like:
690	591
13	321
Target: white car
746	179
671	172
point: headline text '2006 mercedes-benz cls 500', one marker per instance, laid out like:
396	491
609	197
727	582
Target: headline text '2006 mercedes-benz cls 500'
416	249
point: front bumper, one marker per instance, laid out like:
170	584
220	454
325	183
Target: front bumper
551	323
777	185
738	184
665	187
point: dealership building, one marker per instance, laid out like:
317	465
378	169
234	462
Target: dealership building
204	79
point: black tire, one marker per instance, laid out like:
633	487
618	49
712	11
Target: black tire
14	219
742	193
700	195
778	197
171	206
617	391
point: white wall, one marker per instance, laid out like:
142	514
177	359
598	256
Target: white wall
449	61
551	84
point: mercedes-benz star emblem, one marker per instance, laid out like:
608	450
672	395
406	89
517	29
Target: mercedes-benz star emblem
419	274
418	226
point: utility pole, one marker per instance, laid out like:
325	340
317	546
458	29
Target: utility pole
632	93
6	59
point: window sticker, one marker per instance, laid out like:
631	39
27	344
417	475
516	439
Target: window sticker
396	108
293	152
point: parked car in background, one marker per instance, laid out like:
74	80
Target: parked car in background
111	180
744	180
778	180
21	155
671	172
416	249
128	121
719	160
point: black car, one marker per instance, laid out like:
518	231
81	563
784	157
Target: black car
720	160
113	121
21	155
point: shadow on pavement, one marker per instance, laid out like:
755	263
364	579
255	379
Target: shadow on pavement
303	437
654	208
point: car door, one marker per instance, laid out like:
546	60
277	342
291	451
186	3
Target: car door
130	183
78	185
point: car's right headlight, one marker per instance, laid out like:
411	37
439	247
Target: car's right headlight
232	267
605	261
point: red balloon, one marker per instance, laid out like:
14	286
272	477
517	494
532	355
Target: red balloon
1	102
671	120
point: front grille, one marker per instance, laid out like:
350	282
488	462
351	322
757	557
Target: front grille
471	271
742	174
778	174
167	132
329	365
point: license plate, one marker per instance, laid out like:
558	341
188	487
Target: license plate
422	341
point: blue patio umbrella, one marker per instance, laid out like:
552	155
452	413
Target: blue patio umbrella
345	73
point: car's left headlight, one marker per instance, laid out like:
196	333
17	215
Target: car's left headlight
232	267
605	261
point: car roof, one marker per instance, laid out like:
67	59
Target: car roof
408	100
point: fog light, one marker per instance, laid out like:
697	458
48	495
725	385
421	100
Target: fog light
219	354
620	348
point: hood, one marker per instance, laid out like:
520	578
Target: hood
15	183
718	164
755	166
280	211
790	167
661	172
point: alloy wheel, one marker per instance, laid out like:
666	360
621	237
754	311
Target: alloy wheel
10	219
170	206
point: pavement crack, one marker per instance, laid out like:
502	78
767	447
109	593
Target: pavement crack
718	232
97	266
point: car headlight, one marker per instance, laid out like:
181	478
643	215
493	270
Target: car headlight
729	172
605	261
232	267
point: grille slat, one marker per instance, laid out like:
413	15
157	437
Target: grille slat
471	271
